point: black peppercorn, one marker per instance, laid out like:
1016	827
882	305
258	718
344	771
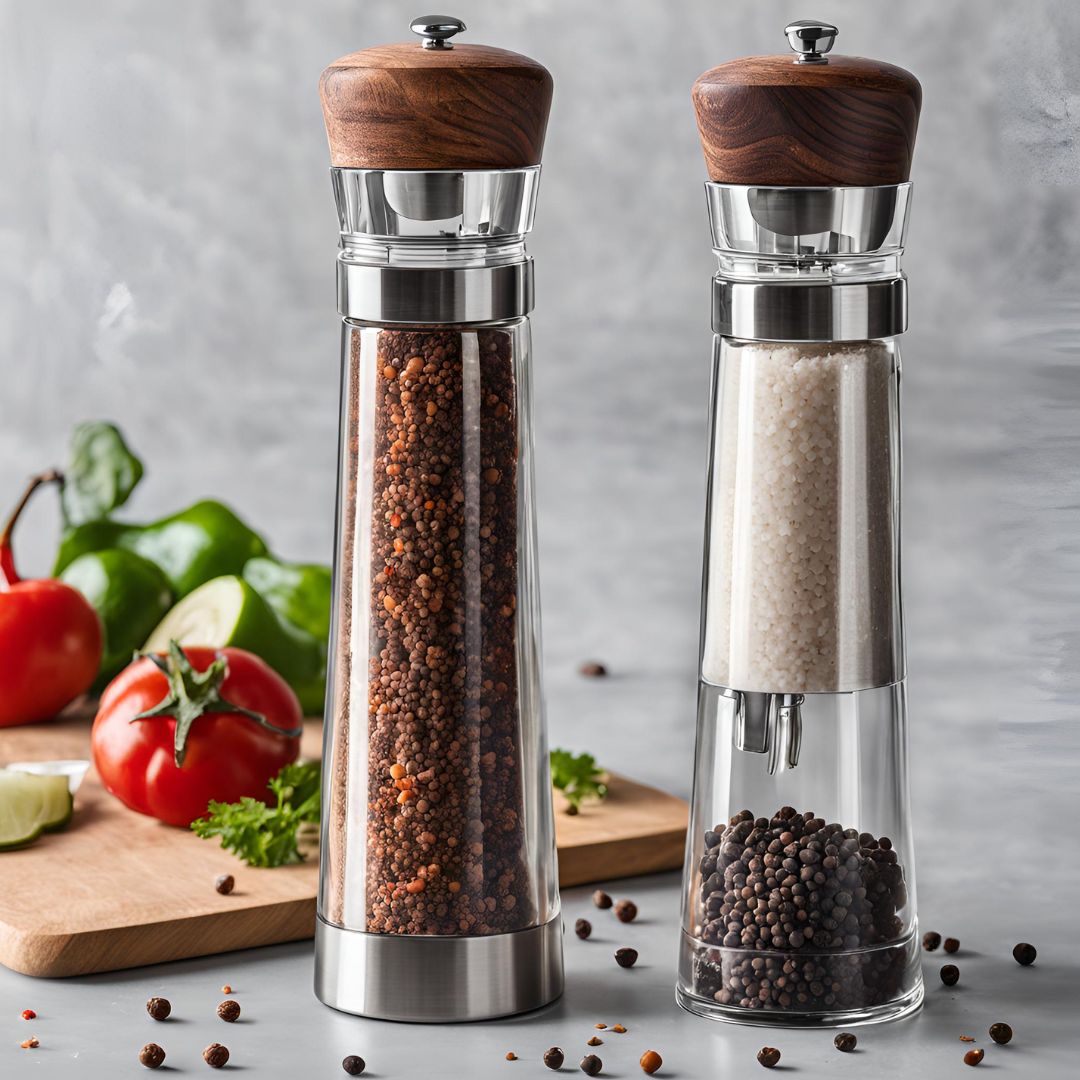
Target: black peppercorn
1001	1033
626	958
159	1008
931	940
768	1056
151	1055
224	884
354	1065
583	928
601	899
216	1055
951	945
973	1057
591	1065
554	1057
229	1011
845	1042
626	911
1024	953
950	974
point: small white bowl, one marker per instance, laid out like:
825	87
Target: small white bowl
73	769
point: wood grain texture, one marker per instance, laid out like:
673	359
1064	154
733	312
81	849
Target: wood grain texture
118	890
768	120
406	107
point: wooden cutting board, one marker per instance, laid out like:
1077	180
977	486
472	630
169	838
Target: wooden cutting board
117	889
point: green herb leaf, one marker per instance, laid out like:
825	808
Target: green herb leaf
577	777
264	835
101	473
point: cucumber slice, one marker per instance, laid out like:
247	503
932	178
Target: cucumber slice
228	611
30	805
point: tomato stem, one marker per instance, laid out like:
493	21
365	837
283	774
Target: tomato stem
8	576
192	694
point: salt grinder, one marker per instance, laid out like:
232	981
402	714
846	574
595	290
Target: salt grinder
438	897
799	901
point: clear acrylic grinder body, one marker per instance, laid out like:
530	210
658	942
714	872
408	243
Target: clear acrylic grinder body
799	890
438	898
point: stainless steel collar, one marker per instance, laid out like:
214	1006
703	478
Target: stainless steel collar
435	247
809	264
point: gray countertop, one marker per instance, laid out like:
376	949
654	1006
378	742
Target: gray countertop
95	1026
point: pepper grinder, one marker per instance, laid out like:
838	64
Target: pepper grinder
438	897
799	898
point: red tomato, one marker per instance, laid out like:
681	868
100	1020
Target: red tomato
50	637
50	647
224	754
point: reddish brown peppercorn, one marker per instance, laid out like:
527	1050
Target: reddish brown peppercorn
593	670
159	1008
650	1061
951	945
224	884
845	1042
601	899
511	1056
353	1065
591	1065
595	1041
626	911
618	1028
152	1056
216	1055
229	1011
973	1057
768	1056
554	1057
583	928
931	940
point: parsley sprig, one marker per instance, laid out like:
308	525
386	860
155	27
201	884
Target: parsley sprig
264	835
577	777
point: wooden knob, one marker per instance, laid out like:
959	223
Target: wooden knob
435	104
809	120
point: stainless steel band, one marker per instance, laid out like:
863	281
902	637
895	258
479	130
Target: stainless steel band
809	264
852	311
415	294
438	979
435	247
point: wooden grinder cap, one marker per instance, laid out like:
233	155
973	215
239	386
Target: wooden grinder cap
808	120
431	104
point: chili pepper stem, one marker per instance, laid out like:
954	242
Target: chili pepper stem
8	576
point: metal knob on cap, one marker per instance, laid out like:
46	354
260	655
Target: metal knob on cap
435	30
811	40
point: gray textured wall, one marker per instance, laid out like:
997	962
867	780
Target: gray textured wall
167	240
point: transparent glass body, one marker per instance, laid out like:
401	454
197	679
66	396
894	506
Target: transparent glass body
437	792
799	903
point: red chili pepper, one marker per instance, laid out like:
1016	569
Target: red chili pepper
50	637
29	1014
